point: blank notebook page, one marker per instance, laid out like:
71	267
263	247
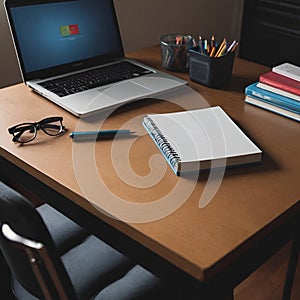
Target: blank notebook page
203	134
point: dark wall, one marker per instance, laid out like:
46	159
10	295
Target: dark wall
270	31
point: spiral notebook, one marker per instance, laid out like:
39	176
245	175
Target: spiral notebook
200	139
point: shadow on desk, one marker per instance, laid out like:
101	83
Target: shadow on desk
215	177
237	84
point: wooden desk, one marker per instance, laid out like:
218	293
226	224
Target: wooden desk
211	249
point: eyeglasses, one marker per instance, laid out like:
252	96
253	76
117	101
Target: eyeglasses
26	132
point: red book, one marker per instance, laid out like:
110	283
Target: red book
281	82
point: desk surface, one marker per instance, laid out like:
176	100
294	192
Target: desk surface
247	202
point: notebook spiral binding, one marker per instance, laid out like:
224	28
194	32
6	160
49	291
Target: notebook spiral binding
169	152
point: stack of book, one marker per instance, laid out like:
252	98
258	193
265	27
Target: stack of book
277	91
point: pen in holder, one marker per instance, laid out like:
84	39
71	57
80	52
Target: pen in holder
174	48
210	71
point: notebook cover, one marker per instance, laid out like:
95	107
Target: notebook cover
201	139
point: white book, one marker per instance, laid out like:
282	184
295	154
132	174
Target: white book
273	108
288	70
278	91
200	139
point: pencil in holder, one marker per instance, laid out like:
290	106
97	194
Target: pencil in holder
174	49
210	71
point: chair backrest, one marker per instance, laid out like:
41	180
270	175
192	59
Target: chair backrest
5	277
29	249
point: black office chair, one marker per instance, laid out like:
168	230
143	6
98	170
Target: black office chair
51	257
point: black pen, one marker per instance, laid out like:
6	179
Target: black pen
100	134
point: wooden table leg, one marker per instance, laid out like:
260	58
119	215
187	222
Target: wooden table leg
292	266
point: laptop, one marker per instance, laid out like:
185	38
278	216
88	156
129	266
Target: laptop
65	46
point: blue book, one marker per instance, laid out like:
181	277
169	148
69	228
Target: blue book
273	108
272	98
273	104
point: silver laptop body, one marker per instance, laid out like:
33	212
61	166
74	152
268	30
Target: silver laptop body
58	38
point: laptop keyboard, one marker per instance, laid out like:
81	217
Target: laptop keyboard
86	80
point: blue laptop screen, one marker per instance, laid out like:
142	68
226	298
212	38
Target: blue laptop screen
59	33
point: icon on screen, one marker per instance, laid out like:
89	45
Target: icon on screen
68	30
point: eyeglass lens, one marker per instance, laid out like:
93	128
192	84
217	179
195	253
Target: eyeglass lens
25	133
51	126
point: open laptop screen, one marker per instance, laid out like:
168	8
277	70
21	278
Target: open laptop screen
54	37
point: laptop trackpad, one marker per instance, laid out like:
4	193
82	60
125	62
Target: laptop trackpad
125	90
